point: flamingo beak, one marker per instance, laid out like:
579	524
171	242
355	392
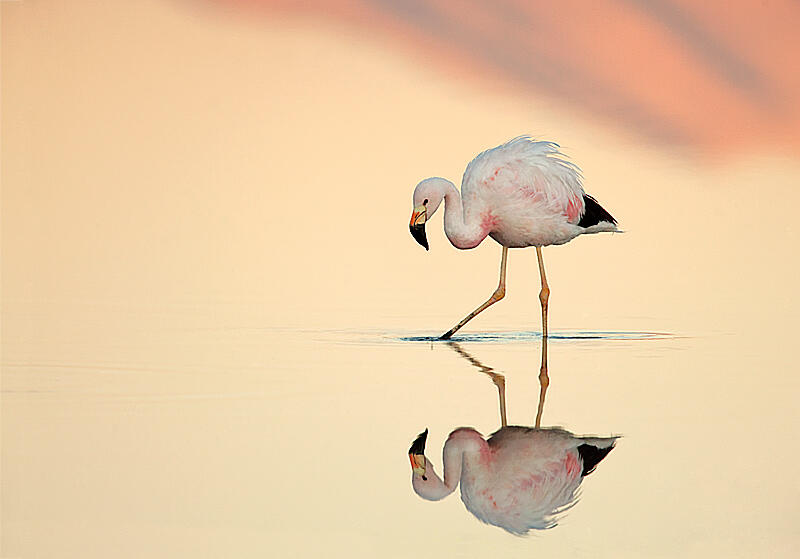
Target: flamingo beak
416	454
417	225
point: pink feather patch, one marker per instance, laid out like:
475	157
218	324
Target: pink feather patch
571	464
573	209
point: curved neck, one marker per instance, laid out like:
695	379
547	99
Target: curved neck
460	442
453	458
464	227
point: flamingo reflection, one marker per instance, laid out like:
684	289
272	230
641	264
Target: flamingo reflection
520	478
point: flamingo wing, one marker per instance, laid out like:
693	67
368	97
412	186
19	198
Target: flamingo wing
526	171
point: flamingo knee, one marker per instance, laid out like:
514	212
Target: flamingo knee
544	378
498	294
544	296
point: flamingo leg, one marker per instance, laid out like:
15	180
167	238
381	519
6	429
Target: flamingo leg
544	382
498	379
544	297
498	294
500	382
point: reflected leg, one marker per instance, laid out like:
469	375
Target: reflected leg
500	382
498	379
543	384
498	294
544	297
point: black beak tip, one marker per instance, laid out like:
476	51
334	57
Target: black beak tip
418	446
418	232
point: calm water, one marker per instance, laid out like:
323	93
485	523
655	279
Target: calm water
158	434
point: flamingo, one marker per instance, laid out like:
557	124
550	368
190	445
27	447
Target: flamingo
521	478
522	193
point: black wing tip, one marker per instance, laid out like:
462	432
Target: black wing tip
591	456
594	213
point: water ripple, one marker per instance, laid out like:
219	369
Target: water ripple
527	336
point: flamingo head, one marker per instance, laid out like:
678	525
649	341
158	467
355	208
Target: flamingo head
424	480
428	196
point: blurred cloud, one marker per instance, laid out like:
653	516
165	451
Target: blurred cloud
711	75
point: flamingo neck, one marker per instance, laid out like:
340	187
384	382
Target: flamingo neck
453	458
462	442
464	227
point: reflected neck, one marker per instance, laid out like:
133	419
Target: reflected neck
460	442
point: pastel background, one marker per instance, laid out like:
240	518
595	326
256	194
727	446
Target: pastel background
207	273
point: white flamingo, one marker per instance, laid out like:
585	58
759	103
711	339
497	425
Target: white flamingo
522	193
521	478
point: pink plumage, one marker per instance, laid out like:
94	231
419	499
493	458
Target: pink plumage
519	479
522	193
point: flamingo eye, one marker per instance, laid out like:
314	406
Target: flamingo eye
425	202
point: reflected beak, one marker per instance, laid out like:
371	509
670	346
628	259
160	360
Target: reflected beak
417	225
416	454
418	464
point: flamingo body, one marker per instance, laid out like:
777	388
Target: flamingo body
522	193
519	479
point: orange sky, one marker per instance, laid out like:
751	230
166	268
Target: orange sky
710	75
